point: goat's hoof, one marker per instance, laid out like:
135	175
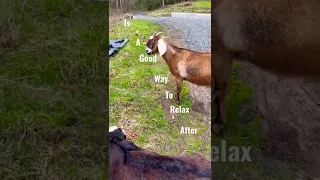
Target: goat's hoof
218	129
178	102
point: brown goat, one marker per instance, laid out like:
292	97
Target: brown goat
281	36
129	162
184	64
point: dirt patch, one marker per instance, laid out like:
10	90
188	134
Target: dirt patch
115	16
201	99
291	111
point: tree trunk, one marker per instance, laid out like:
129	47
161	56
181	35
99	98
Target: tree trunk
117	1
127	5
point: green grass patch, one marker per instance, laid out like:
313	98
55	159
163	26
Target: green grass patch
202	4
238	133
196	7
53	89
138	104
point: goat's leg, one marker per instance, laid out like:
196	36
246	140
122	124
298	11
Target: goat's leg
220	101
179	81
221	78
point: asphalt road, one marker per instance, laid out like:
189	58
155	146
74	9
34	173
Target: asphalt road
195	31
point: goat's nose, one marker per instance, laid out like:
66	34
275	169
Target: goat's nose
148	51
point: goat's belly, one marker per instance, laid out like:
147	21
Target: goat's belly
202	81
286	63
200	75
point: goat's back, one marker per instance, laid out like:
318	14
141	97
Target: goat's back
145	165
278	35
129	162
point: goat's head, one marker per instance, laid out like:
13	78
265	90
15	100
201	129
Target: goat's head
116	136
119	146
156	44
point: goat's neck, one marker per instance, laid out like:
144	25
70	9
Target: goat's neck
168	55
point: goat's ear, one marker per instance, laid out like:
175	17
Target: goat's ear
128	145
162	47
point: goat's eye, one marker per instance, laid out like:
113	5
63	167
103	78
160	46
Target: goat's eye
115	139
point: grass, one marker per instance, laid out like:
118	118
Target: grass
244	130
138	104
53	89
196	7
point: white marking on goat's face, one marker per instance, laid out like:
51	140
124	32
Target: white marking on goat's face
182	70
148	51
111	129
151	37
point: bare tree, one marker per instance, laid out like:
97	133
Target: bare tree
162	3
121	5
126	6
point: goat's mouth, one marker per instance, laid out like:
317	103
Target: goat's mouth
148	51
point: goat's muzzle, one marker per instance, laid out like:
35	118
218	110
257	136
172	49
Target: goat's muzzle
148	51
115	132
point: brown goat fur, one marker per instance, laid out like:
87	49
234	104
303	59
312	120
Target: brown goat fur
184	64
129	162
281	36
